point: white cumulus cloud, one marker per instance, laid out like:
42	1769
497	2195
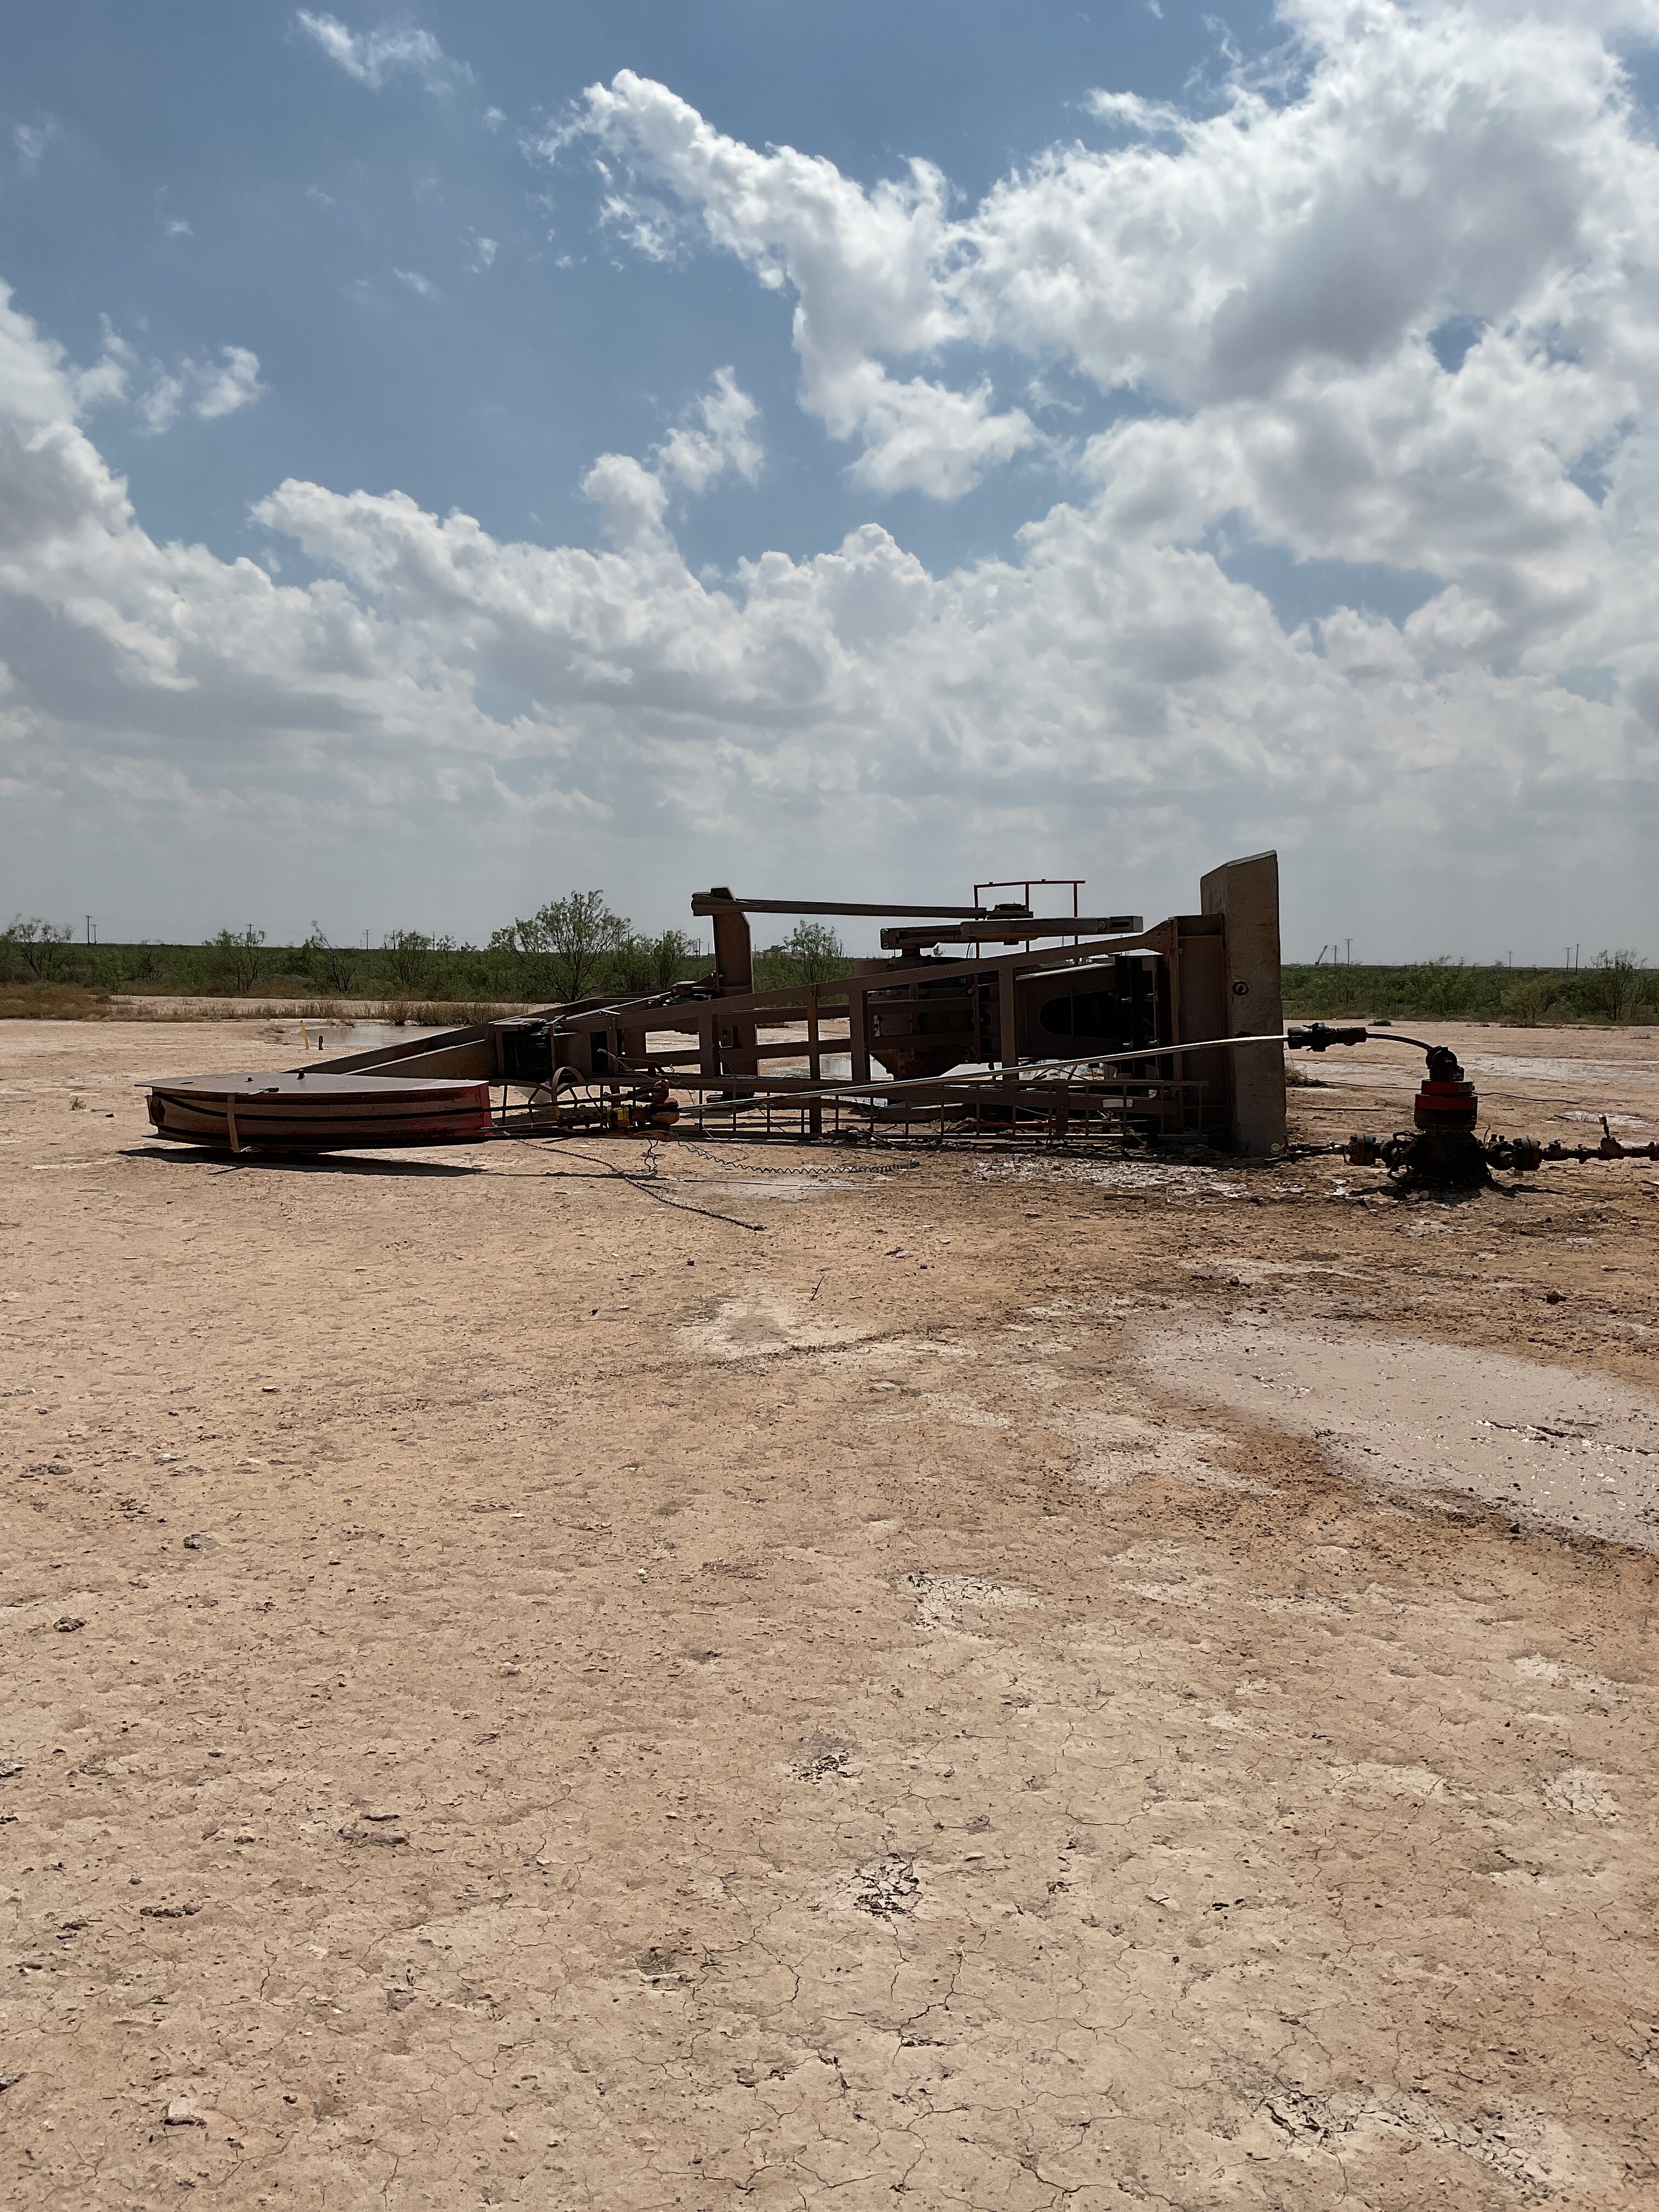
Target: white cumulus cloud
222	386
717	437
1268	283
31	141
1395	311
207	389
373	56
157	394
864	267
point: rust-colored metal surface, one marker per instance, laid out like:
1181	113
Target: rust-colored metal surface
312	1110
971	1025
1104	1033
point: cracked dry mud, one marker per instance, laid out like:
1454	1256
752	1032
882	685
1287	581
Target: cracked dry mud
578	1703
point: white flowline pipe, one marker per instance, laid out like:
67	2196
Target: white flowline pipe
990	1076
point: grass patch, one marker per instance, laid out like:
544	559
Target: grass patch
1617	989
438	1013
53	1002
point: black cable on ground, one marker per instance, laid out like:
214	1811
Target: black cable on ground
643	1184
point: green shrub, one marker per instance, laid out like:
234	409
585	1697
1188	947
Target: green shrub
631	965
334	967
562	947
409	957
1618	987
36	952
238	959
1525	1005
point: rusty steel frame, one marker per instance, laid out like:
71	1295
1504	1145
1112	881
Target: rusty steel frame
1208	983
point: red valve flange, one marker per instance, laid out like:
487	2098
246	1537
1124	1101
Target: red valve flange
1447	1107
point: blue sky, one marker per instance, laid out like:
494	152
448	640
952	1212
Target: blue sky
1210	479
305	192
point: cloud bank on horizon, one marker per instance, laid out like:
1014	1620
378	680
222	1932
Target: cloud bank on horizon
1392	302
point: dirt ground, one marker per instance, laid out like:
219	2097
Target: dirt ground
950	1681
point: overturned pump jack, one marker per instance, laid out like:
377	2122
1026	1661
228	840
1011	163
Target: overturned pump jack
1441	1148
975	1021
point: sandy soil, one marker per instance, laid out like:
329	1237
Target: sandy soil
1000	1683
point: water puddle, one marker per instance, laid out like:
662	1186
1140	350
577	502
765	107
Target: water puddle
1573	1449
